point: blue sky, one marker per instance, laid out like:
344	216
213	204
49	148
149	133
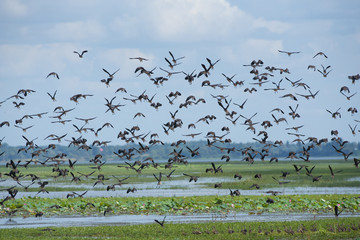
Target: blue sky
39	37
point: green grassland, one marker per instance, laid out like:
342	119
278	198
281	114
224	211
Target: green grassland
341	228
343	171
320	229
29	207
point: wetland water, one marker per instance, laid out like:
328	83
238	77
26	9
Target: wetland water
167	189
81	221
170	189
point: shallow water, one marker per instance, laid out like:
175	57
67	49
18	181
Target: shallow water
354	179
153	184
80	221
171	188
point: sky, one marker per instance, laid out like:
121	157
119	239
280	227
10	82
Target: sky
39	37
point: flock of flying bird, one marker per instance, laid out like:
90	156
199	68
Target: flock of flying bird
141	141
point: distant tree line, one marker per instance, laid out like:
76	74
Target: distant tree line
163	152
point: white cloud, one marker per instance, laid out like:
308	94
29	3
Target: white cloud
89	30
195	20
271	26
14	8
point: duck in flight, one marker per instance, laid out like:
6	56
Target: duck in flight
81	54
141	59
174	60
320	54
53	74
160	223
288	53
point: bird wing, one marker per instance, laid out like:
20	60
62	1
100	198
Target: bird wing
155	177
170	64
116	71
172	56
106	72
331	171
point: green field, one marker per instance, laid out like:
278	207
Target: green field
345	176
342	228
29	207
344	171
